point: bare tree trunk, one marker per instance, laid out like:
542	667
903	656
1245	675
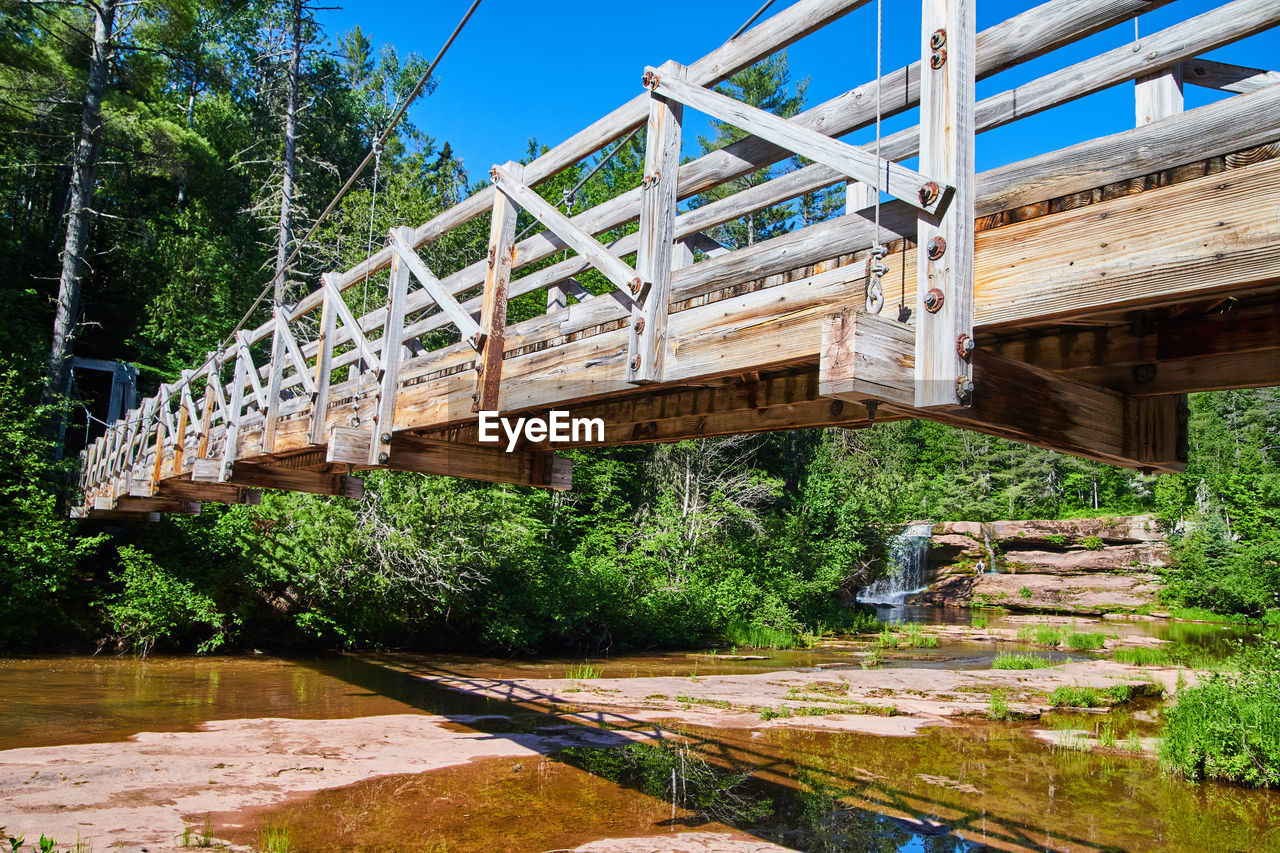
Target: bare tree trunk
284	229
84	167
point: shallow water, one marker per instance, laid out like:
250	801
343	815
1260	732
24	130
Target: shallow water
973	786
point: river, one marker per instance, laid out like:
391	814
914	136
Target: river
312	754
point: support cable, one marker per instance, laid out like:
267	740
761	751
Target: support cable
877	269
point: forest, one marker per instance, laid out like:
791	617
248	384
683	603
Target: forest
160	162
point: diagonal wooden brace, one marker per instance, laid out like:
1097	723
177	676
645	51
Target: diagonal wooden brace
917	190
614	268
470	329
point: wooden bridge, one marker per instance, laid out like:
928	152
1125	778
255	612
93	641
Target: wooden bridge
1070	300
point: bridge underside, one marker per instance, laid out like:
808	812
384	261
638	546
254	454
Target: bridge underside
1109	280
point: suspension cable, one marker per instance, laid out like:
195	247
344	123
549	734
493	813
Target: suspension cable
877	267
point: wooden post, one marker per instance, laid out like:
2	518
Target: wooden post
493	310
944	296
235	407
212	379
384	410
324	366
859	196
275	376
654	259
1158	95
179	440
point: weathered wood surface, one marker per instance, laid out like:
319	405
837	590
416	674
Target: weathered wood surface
1227	77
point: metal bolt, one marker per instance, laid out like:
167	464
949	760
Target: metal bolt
635	363
493	255
904	313
355	420
873	407
649	80
837	406
933	300
938	59
636	285
383	458
929	193
386	438
1144	373
495	175
964	389
936	248
937	39
964	347
474	340
639	325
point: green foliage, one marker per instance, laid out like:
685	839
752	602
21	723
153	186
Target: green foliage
997	706
1041	635
274	838
1025	592
583	670
1228	726
1078	696
1093	543
1141	656
154	606
752	636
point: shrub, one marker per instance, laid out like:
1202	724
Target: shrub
756	636
1025	592
1093	543
154	606
1228	726
1042	635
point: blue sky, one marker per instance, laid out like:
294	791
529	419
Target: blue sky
547	69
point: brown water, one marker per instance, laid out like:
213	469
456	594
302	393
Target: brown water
971	787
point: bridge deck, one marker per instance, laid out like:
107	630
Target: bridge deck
1110	279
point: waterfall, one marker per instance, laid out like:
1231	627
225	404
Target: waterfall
908	558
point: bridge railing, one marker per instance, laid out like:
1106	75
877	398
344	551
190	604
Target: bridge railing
300	357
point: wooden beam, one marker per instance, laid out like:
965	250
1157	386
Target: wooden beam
144	505
1257	369
945	267
350	446
384	409
275	380
897	180
492	465
209	492
1226	77
493	306
867	357
265	476
647	344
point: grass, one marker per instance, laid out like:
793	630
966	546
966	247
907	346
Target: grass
1018	660
203	837
1041	635
274	839
908	636
1093	543
583	670
1076	696
1227	727
751	635
1141	656
1085	641
1025	592
978	622
997	706
48	845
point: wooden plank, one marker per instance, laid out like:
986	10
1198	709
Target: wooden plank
1157	432
350	445
1226	77
210	492
324	363
1158	96
1257	369
148	504
296	356
614	268
250	372
866	357
214	360
859	196
944	302
899	181
392	352
207	469
647	343
493	310
404	253
350	326
234	411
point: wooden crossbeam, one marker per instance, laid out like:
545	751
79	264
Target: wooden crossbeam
127	503
492	465
914	188
384	410
295	480
1226	77
349	322
614	268
209	492
275	378
460	317
647	345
